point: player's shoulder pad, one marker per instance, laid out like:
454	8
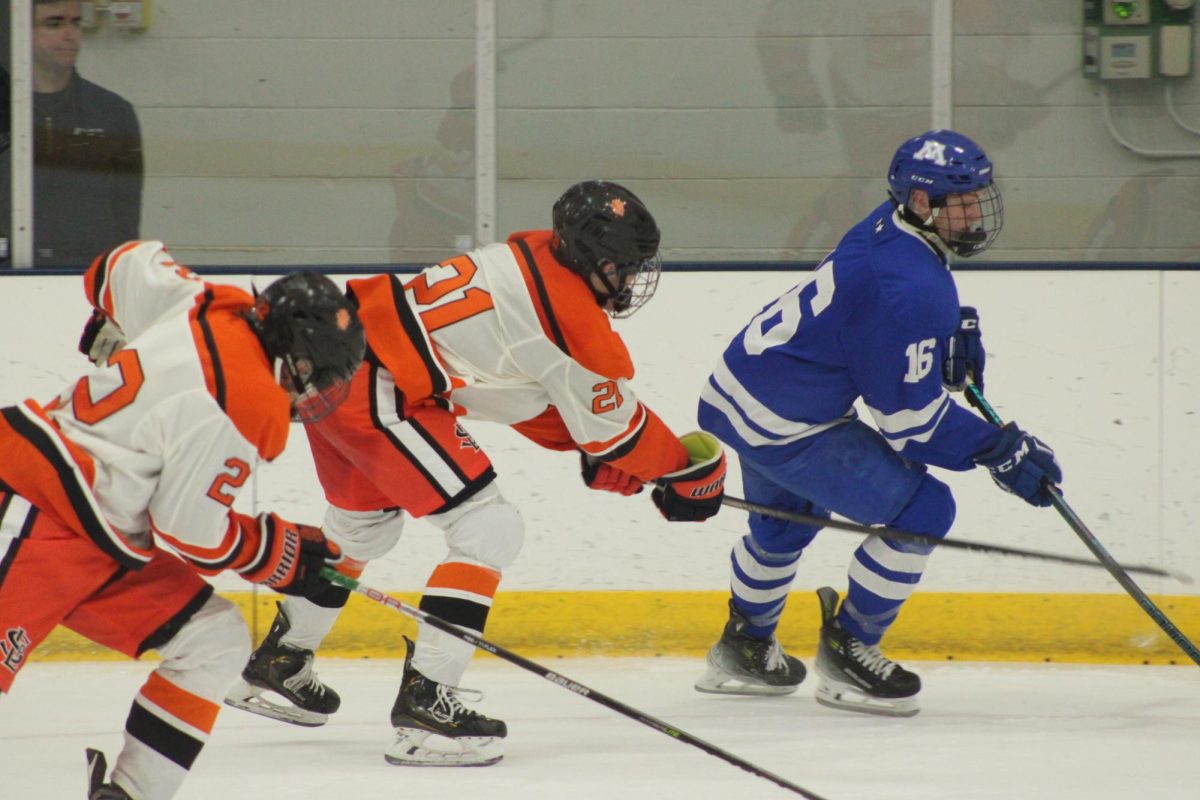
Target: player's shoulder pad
567	309
915	285
238	373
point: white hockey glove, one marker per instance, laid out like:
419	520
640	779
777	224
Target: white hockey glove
101	338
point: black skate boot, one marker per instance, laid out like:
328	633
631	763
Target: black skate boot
434	728
286	671
97	768
856	676
741	664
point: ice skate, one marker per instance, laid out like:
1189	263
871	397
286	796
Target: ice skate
741	664
434	728
97	768
856	676
284	672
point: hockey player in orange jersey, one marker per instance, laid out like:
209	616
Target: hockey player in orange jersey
516	333
117	496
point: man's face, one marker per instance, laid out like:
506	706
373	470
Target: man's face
962	213
56	35
614	279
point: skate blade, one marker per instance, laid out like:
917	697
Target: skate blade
849	698
718	681
245	697
417	748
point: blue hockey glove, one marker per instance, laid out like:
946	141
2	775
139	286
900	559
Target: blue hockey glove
964	353
1021	463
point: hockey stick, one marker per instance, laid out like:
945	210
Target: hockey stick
918	538
1120	573
560	680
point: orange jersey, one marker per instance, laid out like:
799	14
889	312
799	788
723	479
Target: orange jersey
508	334
158	441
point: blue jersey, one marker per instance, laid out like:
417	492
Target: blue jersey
872	321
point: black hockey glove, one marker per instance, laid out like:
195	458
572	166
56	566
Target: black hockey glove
965	356
1022	464
694	493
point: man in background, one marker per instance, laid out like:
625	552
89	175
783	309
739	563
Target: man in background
87	146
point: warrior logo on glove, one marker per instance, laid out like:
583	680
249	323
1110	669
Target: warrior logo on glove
694	493
716	487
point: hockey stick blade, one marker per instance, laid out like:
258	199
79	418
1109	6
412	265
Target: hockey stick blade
563	681
954	544
1119	572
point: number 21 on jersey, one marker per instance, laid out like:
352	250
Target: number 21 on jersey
445	295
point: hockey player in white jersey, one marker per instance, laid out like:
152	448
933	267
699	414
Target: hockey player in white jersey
880	320
518	333
117	496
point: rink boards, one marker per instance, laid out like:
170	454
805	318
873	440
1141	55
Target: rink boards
1088	628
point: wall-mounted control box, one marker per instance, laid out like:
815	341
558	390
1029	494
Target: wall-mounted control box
1137	39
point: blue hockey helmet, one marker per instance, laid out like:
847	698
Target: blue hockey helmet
945	164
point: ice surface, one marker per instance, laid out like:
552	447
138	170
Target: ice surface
985	733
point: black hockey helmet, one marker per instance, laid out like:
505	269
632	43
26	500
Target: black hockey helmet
311	331
599	223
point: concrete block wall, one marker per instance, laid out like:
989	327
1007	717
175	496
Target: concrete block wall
300	131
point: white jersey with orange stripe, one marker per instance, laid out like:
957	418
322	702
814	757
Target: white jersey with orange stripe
166	420
509	354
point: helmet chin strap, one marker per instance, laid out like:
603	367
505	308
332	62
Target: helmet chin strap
925	226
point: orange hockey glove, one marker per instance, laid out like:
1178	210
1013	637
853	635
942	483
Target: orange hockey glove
605	478
293	557
693	494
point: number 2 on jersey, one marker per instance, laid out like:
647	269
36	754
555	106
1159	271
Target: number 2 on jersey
239	471
761	336
129	368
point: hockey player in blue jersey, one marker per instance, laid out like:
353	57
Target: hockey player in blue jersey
879	319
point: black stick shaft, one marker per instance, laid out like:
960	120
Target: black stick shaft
561	680
917	538
1119	573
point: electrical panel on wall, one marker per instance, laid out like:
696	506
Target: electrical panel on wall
133	15
1137	39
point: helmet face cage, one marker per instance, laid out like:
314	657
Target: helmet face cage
986	207
313	398
599	225
311	331
637	284
953	171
